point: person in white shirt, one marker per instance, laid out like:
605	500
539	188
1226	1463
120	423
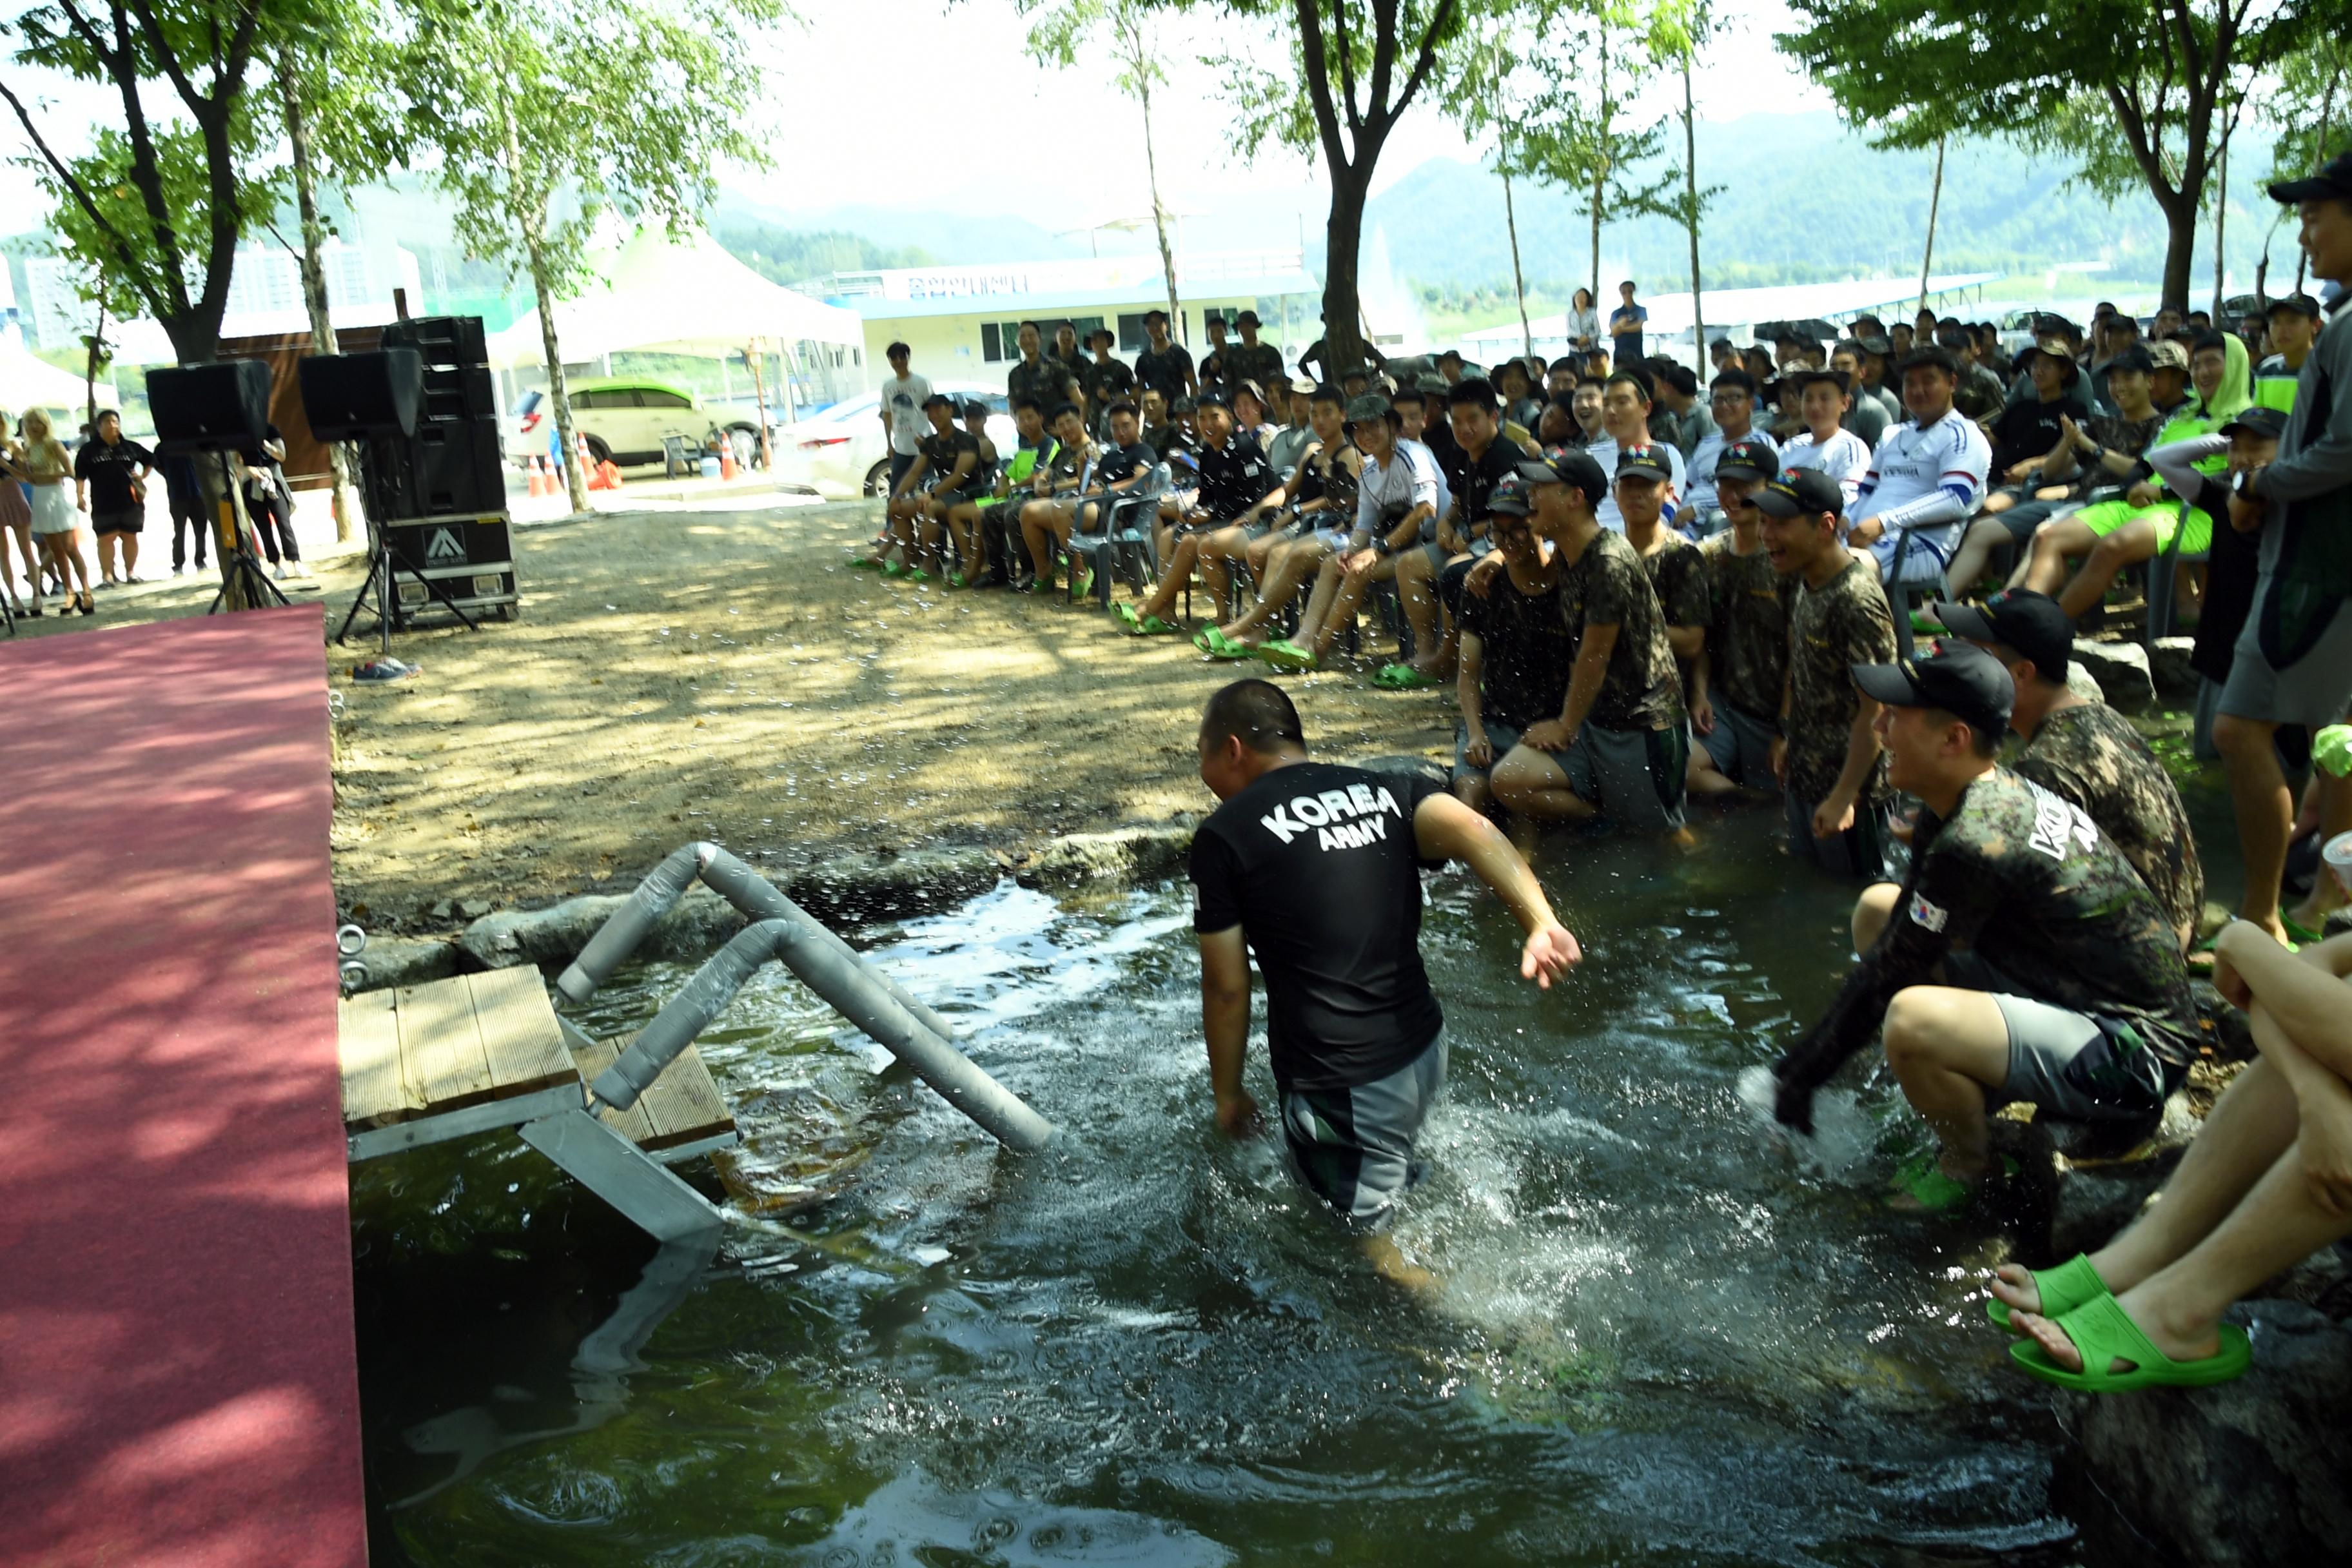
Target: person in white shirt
1825	444
1926	478
1625	422
1733	399
1400	495
904	425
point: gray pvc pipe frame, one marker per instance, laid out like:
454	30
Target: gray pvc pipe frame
911	1031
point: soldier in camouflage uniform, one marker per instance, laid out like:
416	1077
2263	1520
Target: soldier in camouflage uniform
1833	778
1620	745
1678	573
1748	637
2086	752
1034	376
2021	960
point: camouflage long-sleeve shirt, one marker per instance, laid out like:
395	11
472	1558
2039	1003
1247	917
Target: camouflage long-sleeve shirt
2092	755
1748	641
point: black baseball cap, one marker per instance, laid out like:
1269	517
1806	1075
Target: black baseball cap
1367	408
1646	462
940	400
2029	622
1800	492
1569	465
2335	180
2136	357
1960	677
1509	495
1874	343
2267	423
1748	460
1212	398
2301	304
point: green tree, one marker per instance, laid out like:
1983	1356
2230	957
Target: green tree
1059	28
2140	93
2309	111
157	207
1681	27
545	117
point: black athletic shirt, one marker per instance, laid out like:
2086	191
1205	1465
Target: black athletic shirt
1234	478
1163	370
1113	463
1317	864
1473	480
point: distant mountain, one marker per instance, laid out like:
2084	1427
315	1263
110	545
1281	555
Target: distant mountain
945	238
1805	199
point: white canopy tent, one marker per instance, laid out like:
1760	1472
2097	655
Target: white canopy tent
659	295
26	381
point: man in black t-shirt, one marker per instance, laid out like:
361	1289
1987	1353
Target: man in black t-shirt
110	472
1164	366
1216	364
1049	522
945	463
1516	650
1107	380
1316	868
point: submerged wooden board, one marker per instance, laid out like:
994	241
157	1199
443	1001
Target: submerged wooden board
682	1105
466	1040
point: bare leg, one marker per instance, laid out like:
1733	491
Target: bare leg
1974	557
2134	540
1872	911
2334	798
1702	778
1038	533
1320	601
1946	1047
2054	543
1283	579
1534	785
1416	581
130	554
2265	812
1172	577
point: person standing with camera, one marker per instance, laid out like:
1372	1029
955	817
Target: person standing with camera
111	484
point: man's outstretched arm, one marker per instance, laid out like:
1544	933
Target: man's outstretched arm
1225	1022
1445	829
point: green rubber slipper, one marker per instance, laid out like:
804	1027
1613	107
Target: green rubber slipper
1123	612
865	564
1153	626
917	574
893	569
957	580
1402	678
1284	654
1927	626
1082	587
1217	645
2104	1332
1921	1179
2299	935
2062	1290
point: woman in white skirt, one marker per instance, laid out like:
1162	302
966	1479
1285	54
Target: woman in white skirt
17	526
55	522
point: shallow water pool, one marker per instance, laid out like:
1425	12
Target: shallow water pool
1663	1336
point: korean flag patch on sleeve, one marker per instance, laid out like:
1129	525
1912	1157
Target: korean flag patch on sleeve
1926	914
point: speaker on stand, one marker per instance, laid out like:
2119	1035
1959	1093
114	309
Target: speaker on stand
219	409
374	398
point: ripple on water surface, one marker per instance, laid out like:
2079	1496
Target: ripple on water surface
1663	1336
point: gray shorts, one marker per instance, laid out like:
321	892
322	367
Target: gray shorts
1353	1147
1740	746
1501	736
2313	690
1635	777
1859	852
2065	1064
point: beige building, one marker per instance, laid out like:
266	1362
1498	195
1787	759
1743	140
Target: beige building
964	323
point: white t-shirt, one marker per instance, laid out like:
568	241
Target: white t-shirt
1913	466
1409	479
1844	457
1603	451
903	396
1701	498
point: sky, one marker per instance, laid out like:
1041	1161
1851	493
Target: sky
877	102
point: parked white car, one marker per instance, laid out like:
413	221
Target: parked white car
839	453
627	419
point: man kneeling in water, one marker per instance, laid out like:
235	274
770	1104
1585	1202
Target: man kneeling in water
1315	865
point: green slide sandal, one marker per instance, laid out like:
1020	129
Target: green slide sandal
1921	1179
2062	1290
1284	654
1402	678
1217	645
2103	1332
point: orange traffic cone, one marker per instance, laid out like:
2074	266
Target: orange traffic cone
726	456
537	476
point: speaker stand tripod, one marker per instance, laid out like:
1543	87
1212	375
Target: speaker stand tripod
379	582
240	569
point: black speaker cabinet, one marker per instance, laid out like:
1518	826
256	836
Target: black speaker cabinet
441	340
354	396
457	467
468	556
210	408
460	392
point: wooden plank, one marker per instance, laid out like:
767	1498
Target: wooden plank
374	1093
632	1123
441	1043
682	1105
519	1035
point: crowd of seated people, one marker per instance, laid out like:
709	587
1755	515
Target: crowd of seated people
1640	587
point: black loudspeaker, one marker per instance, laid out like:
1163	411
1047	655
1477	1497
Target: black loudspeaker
441	340
210	408
460	392
353	397
458	470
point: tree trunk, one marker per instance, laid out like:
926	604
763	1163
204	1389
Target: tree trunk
314	272
1690	195
2222	228
530	207
96	343
1343	233
1139	60
1518	279
1935	205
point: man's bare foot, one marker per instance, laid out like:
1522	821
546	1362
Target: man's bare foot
2013	1286
1390	1265
2181	1343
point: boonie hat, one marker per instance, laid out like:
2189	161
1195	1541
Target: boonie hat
1567	465
1644	463
1303	386
1960	677
1747	459
2166	355
2030	623
1800	492
2265	424
2335	180
1364	410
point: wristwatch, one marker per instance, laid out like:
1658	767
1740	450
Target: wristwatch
1380	545
2244	487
